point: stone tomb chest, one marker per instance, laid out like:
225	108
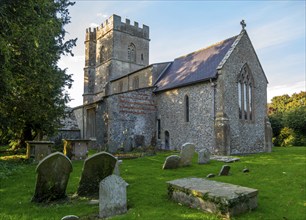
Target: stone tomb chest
76	149
211	196
38	149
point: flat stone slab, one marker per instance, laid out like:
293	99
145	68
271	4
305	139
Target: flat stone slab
225	159
212	196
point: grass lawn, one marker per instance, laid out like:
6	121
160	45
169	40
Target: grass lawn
279	176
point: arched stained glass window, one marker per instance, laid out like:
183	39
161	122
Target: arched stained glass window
245	93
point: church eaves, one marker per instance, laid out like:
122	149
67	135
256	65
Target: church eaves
195	67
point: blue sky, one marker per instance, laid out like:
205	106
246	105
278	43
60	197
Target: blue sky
276	29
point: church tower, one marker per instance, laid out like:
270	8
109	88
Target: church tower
112	50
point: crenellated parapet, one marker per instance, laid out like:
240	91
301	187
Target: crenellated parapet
115	23
91	34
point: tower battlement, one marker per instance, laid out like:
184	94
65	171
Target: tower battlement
115	23
91	34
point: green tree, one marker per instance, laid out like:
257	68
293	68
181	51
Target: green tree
32	40
287	115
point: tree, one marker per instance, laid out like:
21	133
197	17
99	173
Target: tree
32	40
288	119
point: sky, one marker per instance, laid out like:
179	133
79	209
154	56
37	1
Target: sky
276	29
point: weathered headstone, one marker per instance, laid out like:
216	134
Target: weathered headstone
112	196
224	170
171	162
52	178
95	169
203	156
117	170
211	175
70	217
245	170
186	154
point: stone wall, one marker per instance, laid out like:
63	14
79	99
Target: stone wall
247	136
131	119
171	112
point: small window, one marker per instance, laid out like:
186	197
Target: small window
136	82
132	53
186	108
142	57
158	129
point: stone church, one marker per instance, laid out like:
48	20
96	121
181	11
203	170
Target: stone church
214	97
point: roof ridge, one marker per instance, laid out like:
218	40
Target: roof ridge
205	48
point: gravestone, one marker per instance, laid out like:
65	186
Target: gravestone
116	169
203	156
52	178
224	170
171	162
70	217
186	154
95	169
112	196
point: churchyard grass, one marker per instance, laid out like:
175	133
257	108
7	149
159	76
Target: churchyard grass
279	176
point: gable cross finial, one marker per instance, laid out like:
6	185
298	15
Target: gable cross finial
243	24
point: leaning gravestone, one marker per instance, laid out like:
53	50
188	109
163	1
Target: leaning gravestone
203	156
112	196
186	154
52	178
171	162
224	170
95	169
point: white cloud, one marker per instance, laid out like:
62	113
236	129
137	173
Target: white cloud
286	89
276	33
93	25
101	15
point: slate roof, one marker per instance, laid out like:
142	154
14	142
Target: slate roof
198	66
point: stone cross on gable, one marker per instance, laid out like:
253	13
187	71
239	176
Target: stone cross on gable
243	24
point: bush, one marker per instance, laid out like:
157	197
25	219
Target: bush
289	137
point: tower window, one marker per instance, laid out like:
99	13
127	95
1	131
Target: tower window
245	93
132	53
102	54
142	57
186	108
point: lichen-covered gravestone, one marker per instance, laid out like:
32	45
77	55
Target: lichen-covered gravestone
224	170
186	154
95	169
112	196
52	178
171	162
203	156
